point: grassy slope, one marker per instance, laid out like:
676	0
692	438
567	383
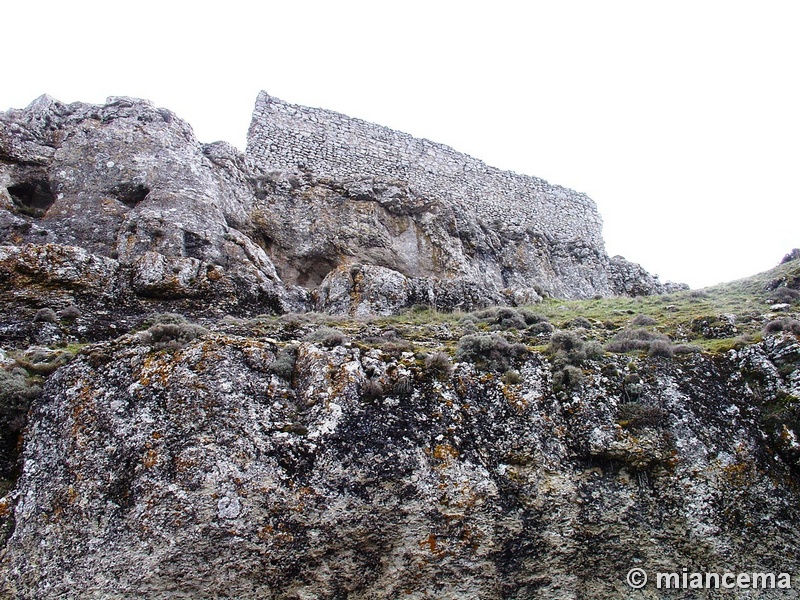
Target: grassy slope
686	317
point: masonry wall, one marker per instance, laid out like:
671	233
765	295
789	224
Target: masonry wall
285	136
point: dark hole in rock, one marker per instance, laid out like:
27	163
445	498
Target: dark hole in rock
194	245
130	194
32	198
314	271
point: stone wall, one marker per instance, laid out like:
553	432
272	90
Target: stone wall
285	136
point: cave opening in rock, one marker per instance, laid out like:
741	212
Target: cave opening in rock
130	194
33	197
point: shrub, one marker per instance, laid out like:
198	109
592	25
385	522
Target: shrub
439	365
594	350
643	321
70	313
632	386
16	390
166	319
580	323
568	348
508	318
637	415
531	317
567	378
396	349
327	336
784	324
686	349
44	362
284	363
634	339
793	255
543	327
469	327
661	348
45	315
784	295
488	352
501	317
403	386
511	377
171	336
371	389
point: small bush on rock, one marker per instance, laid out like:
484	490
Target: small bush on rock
568	348
661	348
636	415
439	365
785	324
70	313
643	321
171	335
567	378
634	339
16	390
511	377
541	328
327	336
784	295
686	349
285	361
45	315
488	352
403	386
531	317
580	323
371	389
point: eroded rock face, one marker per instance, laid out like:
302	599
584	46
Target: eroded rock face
129	181
198	472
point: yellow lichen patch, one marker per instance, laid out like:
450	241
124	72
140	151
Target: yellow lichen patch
738	474
445	452
514	399
150	458
154	368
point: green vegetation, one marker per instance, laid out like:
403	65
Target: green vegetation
170	331
713	320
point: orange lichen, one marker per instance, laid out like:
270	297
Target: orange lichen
444	452
150	458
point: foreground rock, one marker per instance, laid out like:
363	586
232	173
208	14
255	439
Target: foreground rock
198	471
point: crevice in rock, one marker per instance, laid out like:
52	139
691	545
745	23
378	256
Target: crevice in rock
33	197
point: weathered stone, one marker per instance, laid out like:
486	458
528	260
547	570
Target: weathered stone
198	473
364	193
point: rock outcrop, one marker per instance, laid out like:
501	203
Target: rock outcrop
199	472
317	193
129	182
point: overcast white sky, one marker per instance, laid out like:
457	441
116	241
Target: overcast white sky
680	119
